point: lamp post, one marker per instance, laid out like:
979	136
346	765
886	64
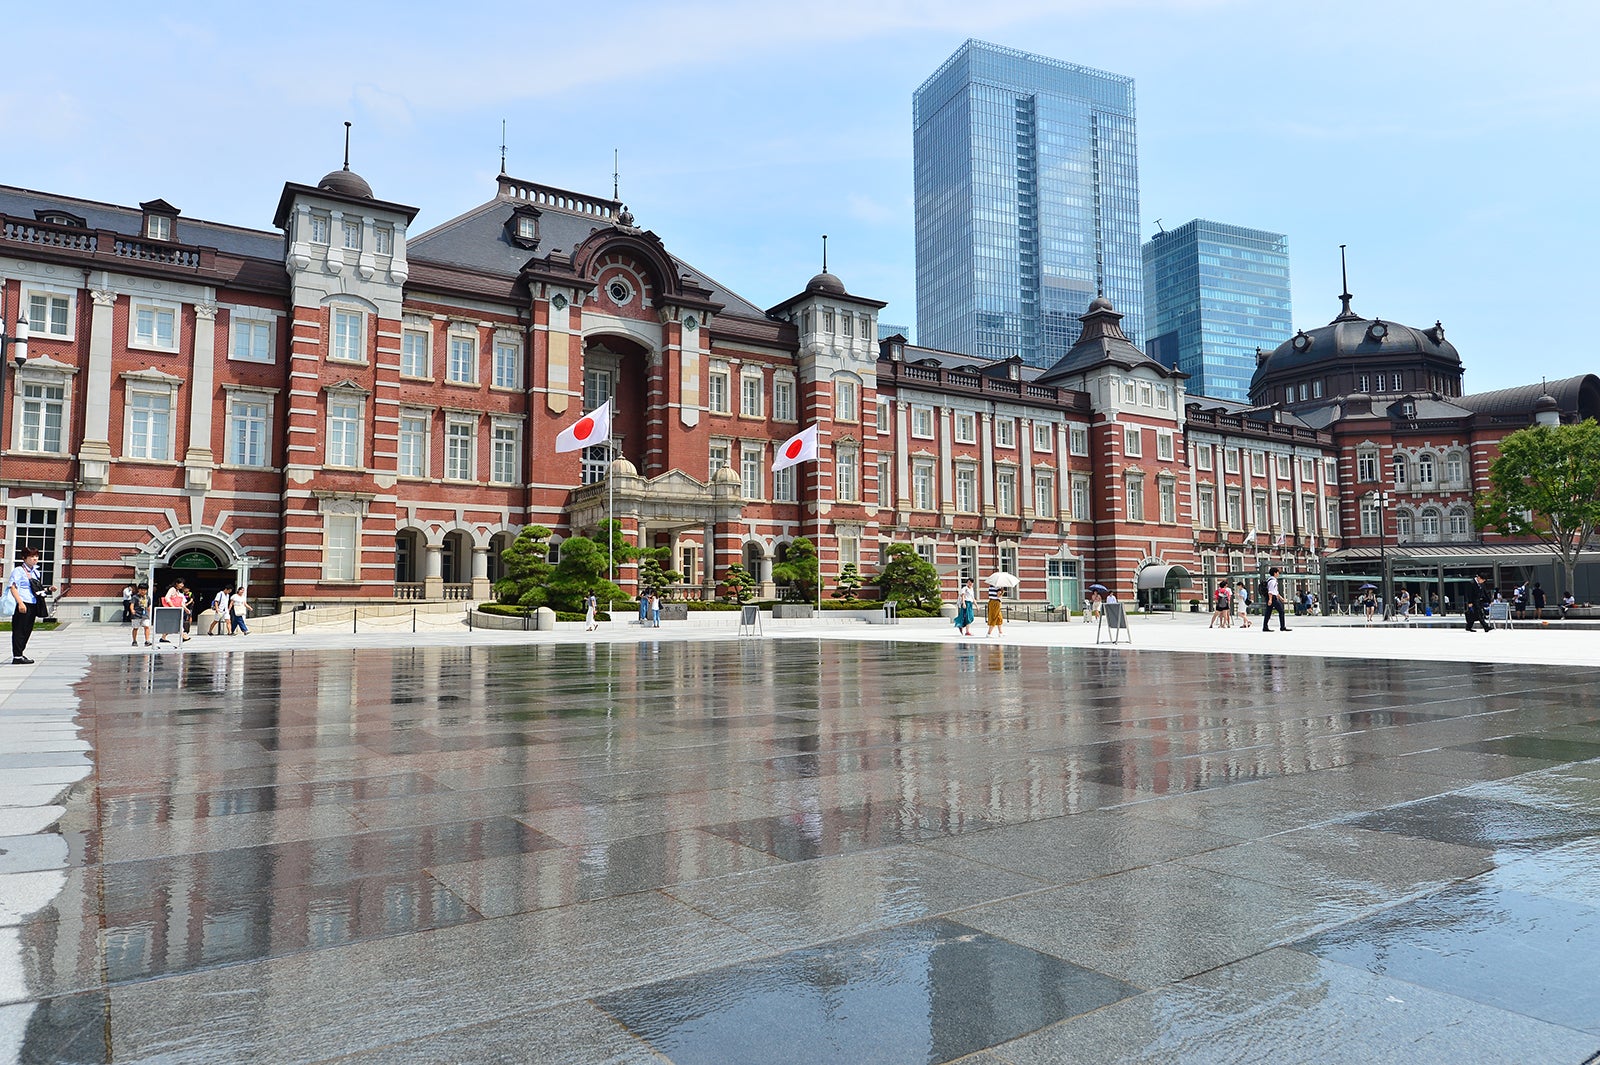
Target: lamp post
1381	500
17	341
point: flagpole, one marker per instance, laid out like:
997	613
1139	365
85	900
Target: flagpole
611	510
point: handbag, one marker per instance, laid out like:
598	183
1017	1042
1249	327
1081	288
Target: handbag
8	603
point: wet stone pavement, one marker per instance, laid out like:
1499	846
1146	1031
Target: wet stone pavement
802	851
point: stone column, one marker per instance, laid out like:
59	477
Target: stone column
198	459
481	588
433	579
986	450
95	452
1025	460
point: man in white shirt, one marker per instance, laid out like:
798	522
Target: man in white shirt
1274	602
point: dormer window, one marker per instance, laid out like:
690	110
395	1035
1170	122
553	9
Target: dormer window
61	218
159	219
522	228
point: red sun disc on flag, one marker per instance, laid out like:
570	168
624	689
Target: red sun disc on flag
583	429
794	449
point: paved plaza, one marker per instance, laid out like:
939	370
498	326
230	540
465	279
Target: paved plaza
826	843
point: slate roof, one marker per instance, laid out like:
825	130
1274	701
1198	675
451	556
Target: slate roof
1102	341
1579	396
129	221
477	240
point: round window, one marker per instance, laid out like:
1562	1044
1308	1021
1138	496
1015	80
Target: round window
559	302
619	291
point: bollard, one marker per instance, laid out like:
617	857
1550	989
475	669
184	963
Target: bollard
413	621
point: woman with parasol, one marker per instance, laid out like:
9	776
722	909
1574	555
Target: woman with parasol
996	617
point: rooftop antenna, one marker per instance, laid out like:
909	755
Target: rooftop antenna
824	253
347	146
502	146
1160	227
1344	296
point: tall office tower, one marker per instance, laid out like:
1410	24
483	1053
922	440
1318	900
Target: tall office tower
1027	203
1213	294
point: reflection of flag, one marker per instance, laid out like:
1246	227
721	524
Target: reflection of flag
589	430
800	447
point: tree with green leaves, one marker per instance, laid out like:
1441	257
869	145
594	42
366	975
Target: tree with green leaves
1545	484
740	584
909	578
849	586
580	572
798	571
527	571
611	538
653	574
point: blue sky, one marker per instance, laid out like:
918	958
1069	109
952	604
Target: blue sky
1452	145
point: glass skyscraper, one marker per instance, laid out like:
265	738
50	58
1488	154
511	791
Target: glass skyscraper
1214	293
1027	203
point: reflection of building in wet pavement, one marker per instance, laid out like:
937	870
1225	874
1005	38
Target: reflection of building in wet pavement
399	841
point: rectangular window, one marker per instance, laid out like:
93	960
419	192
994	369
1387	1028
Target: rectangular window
717	398
849	323
1332	525
341	548
1260	502
883	416
507	364
1207	505
846	401
1144	394
849	550
158	227
348	345
922	486
413	445
966	489
783	486
36	528
352	235
1308	470
1168	491
415	353
1330	471
1163	398
1258	464
460	438
847	482
252	341
384	238
1135	500
319	229
1235	510
1283	467
1230	460
50	315
1008	563
719	456
1363	383
750	471
783	399
1370	525
885	481
1366	465
1308	517
1078	440
505	459
1130	393
965	427
43	414
1132	442
344	431
751	395
462	365
1005	490
967	562
922	423
155	327
598	386
150	425
1080	499
1285	511
1044	494
1202	457
247	430
1164	446
1005	432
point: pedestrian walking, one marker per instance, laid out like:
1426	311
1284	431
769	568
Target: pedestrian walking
1221	607
591	603
966	606
139	613
238	610
219	612
26	586
1538	597
1272	599
1478	603
996	616
1241	605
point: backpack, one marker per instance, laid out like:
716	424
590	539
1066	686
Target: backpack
1261	591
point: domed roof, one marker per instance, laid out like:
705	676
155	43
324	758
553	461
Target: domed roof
725	475
623	468
1100	303
1544	403
826	283
1350	336
346	182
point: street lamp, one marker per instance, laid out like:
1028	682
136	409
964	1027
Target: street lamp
1381	500
18	343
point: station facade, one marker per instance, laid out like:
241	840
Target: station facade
338	411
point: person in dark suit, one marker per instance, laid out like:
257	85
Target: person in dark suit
1478	603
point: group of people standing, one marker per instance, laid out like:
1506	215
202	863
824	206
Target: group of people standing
1231	601
230	607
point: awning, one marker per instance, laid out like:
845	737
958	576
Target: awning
1158	576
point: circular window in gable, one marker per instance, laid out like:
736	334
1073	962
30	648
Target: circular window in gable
619	291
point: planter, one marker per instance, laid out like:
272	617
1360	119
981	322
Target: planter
792	610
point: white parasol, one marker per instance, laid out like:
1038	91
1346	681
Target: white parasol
1001	579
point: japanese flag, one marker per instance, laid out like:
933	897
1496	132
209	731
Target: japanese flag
800	447
589	430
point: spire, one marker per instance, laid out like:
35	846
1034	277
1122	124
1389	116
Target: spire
1344	297
347	146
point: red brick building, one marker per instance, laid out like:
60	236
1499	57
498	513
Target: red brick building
341	411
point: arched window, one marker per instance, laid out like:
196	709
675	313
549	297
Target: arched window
1455	467
1429	523
1402	526
1460	524
1425	467
1399	463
